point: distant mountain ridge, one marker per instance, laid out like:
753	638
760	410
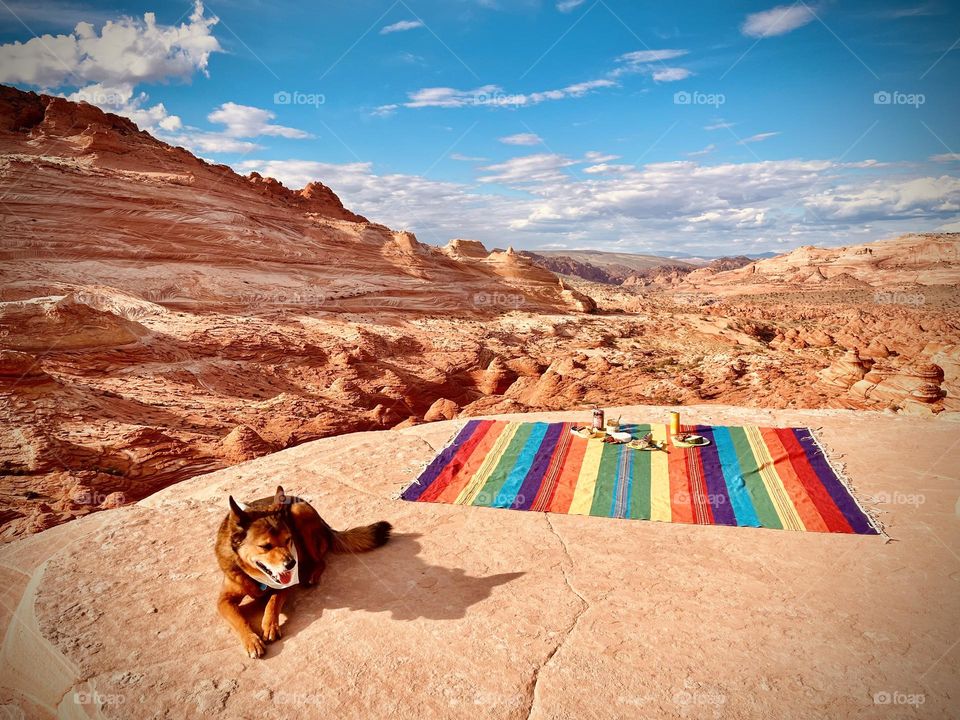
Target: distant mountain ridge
626	269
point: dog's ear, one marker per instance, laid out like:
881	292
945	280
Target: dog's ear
239	516
280	498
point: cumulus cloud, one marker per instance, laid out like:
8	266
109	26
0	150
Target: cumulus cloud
918	197
121	100
671	74
401	26
684	205
777	21
539	168
124	51
522	139
245	121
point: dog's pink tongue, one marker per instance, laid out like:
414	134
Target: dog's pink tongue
285	577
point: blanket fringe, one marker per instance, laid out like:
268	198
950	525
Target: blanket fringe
840	470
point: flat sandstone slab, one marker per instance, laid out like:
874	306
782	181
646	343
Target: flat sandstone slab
485	613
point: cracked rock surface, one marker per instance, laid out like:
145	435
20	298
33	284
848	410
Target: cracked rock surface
483	613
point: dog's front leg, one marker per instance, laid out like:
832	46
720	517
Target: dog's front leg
229	607
271	616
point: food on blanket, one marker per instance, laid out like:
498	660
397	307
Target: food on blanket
802	469
620	436
674	423
583	432
645	443
689	440
598	419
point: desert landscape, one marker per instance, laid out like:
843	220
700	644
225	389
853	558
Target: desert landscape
208	318
502	359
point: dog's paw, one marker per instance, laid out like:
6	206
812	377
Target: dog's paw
271	630
253	646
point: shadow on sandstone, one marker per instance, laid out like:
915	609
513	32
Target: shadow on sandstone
390	579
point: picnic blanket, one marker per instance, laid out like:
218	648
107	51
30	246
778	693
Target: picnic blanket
749	476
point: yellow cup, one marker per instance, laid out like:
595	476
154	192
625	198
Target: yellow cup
674	423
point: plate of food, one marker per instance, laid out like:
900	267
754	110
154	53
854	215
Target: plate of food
688	440
646	443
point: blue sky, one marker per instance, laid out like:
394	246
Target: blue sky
706	128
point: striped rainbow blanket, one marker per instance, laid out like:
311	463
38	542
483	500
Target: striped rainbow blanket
750	476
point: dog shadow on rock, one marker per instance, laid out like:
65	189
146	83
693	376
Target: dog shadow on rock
389	579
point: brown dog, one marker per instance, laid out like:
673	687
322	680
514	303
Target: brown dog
270	546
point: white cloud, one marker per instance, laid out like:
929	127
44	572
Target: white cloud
705	151
650	62
599	157
125	51
522	139
203	143
719	125
706	209
671	74
540	168
777	21
566	6
918	197
467	158
120	99
639	57
607	168
401	26
490	96
759	137
244	121
945	157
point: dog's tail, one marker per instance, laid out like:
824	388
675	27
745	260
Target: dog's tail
361	539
